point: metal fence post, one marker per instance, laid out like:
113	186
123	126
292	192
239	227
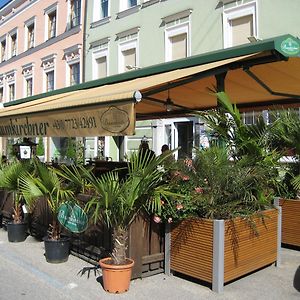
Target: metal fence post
218	256
167	249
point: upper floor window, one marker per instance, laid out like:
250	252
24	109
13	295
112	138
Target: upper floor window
28	79
13	43
177	28
128	50
12	92
239	23
75	12
3	50
29	87
1	94
100	58
74	74
50	81
103	9
52	24
126	4
30	36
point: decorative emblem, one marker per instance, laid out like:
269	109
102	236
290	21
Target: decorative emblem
114	120
290	46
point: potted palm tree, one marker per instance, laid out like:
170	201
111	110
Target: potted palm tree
11	177
45	182
117	202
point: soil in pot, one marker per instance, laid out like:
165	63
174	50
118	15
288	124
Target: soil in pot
16	232
57	251
116	278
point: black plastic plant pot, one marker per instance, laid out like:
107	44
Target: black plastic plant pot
16	232
57	251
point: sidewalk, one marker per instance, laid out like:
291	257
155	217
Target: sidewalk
25	274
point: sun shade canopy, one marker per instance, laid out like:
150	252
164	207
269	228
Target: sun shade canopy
264	73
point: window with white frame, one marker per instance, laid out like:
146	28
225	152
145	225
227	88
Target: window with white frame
51	21
74	74
128	50
13	44
177	39
11	84
239	23
48	64
72	58
3	49
126	4
49	81
100	58
1	94
29	34
101	9
28	79
75	13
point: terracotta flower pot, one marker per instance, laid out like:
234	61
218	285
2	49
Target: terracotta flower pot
116	278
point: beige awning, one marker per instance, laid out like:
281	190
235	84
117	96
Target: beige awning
261	74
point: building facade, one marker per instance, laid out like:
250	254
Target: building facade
40	50
124	35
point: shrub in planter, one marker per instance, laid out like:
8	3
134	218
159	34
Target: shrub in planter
227	193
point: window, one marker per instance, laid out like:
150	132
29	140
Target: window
75	12
52	24
3	50
74	74
50	81
239	23
11	89
100	58
30	36
101	67
128	50
13	43
29	88
104	9
126	4
1	94
177	28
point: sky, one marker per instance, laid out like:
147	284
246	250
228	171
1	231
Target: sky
3	2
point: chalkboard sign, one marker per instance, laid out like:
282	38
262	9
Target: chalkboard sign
72	217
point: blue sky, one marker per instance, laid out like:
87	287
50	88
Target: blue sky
3	2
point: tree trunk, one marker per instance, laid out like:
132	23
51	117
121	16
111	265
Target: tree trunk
120	237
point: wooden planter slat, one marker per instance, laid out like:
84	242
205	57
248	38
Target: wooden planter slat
290	221
245	249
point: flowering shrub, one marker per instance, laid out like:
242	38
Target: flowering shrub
212	186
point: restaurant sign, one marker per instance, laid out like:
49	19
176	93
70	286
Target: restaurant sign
72	217
95	121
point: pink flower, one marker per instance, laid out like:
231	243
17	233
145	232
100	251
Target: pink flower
156	219
170	220
179	206
177	173
199	190
185	178
188	162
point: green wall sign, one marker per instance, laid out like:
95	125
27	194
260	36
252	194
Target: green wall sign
290	46
72	217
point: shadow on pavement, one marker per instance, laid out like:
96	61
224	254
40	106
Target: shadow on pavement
296	283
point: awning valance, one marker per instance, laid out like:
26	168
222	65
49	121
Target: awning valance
264	73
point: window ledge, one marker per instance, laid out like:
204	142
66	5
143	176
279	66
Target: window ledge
128	11
148	3
100	22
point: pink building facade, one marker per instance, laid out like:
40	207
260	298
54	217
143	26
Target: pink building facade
40	50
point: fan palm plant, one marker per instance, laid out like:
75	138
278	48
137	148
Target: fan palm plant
11	177
45	182
118	201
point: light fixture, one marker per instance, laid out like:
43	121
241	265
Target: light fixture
169	103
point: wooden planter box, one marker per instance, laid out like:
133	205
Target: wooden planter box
218	251
290	221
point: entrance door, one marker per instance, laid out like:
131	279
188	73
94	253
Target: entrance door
184	138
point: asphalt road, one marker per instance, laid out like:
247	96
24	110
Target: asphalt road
25	274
